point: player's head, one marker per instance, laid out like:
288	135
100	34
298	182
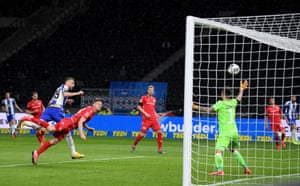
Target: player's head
226	93
150	90
35	95
272	101
7	95
293	98
70	82
97	104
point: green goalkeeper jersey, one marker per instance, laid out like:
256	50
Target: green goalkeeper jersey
226	110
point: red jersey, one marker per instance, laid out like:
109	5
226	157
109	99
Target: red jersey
35	105
87	113
149	105
274	113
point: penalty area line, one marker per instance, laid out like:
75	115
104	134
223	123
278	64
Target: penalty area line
74	161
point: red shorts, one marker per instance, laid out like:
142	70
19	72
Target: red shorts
152	122
62	128
277	127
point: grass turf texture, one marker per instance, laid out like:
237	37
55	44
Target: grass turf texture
108	161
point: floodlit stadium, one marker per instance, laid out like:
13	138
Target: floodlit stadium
149	93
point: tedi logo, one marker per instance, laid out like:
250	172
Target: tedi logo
197	128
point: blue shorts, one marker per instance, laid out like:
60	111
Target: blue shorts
52	114
10	117
291	121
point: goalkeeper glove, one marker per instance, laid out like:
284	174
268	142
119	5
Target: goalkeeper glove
244	84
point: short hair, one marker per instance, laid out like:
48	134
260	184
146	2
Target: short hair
34	92
226	92
97	99
69	78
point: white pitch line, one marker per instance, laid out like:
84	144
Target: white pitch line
254	178
74	161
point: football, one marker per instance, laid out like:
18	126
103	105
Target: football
233	69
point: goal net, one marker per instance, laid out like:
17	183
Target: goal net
267	49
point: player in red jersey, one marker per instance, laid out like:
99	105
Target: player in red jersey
149	119
35	107
62	128
273	112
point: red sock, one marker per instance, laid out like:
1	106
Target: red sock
40	136
44	147
40	122
159	140
137	139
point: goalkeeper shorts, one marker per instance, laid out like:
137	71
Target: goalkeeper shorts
225	142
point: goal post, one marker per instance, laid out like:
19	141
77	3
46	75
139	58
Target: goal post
188	100
267	49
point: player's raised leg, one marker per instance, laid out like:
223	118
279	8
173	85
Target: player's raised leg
36	153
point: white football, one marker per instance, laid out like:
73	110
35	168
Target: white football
233	69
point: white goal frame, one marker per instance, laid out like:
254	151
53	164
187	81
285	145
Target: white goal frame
280	42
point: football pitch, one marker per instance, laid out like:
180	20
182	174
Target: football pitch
108	161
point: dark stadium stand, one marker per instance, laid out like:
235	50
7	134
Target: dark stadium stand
96	44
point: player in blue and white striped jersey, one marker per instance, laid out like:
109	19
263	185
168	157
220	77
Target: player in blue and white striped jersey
291	113
8	106
55	109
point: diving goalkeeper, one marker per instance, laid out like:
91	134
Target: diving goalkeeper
228	132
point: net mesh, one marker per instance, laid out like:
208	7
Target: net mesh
267	49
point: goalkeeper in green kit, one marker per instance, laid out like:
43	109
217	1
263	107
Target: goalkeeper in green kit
228	133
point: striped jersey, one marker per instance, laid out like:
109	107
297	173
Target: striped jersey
291	109
9	104
58	97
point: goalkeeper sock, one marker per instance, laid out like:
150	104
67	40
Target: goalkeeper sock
240	158
44	147
137	139
159	140
219	161
71	143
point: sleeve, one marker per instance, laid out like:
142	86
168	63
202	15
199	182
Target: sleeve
285	106
28	105
235	102
142	100
14	101
217	106
65	88
87	113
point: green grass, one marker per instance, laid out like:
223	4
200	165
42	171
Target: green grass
108	161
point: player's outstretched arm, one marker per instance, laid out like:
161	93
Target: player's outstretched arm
80	128
203	109
243	87
71	94
85	125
